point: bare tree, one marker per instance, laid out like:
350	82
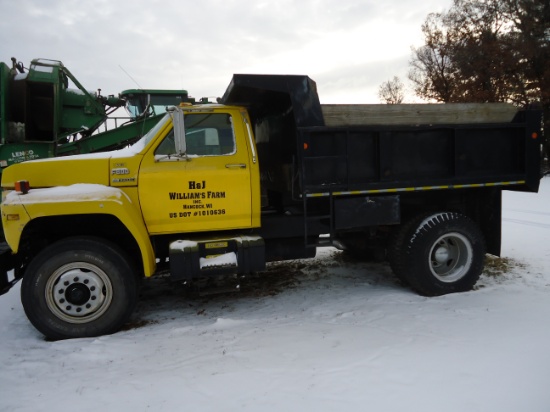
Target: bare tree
432	70
486	51
530	37
392	91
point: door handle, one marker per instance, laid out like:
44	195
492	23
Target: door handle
236	166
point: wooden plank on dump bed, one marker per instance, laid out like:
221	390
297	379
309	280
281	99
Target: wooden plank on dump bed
337	115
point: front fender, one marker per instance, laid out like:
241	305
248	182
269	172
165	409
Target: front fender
80	199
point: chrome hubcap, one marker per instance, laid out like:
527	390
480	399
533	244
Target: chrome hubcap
78	292
451	257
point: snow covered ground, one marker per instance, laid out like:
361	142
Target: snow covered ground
328	334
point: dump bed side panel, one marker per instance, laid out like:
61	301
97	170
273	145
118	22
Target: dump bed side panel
338	115
377	159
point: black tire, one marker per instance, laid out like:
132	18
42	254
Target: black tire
439	254
396	246
79	287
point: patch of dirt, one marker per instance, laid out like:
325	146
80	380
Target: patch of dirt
277	277
498	266
139	323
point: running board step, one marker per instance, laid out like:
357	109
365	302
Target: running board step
193	259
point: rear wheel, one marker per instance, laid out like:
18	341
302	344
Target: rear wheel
79	287
439	254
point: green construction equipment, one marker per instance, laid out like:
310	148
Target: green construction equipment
46	112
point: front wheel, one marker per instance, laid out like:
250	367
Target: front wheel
79	287
439	254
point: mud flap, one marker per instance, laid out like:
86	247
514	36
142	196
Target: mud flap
6	265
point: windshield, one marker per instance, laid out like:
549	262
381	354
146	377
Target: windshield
153	103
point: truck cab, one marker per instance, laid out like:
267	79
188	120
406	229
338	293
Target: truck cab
211	185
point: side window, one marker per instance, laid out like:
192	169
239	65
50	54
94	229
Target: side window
206	134
167	146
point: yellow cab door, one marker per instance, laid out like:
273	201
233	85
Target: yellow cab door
209	188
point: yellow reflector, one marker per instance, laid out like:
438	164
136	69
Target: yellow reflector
12	217
215	245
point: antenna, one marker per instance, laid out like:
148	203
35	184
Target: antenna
127	74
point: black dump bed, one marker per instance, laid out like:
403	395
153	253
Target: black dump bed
376	159
303	152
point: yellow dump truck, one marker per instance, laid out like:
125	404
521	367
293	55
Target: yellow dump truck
269	174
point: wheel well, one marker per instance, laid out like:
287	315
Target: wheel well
41	232
482	205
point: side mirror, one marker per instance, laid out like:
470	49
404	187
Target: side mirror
179	130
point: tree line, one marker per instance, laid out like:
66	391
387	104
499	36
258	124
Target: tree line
482	51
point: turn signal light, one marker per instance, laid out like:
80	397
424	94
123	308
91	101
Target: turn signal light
22	186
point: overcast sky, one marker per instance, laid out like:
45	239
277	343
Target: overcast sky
349	47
